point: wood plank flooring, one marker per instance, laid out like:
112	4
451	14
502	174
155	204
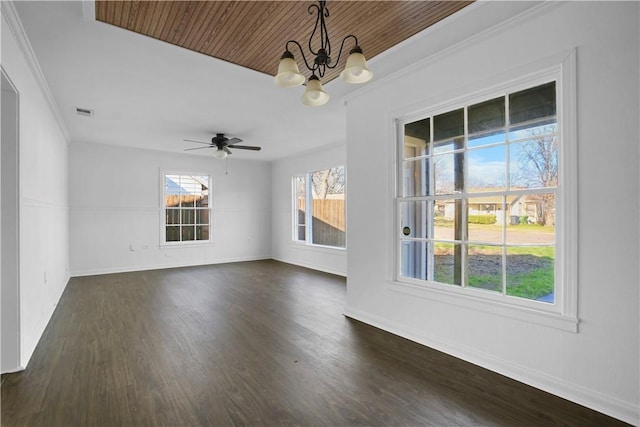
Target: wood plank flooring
254	343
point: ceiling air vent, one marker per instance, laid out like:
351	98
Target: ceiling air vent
85	112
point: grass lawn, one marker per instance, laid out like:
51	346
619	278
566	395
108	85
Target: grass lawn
530	269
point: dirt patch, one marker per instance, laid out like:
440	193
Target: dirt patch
491	265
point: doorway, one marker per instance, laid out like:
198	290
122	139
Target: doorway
9	229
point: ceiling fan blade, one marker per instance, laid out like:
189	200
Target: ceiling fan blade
233	141
198	148
246	147
199	142
226	150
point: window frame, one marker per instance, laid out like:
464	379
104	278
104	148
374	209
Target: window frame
162	209
295	216
562	314
308	241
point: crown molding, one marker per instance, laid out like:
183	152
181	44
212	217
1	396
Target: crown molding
15	26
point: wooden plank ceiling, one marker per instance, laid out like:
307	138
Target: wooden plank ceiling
253	33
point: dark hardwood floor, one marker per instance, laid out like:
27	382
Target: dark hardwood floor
255	343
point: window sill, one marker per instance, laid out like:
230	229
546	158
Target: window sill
477	303
318	248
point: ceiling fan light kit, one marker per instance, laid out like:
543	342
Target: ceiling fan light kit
220	154
356	70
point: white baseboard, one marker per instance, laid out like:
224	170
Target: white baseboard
127	269
312	267
593	399
13	371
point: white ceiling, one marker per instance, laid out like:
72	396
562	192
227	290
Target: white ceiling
150	94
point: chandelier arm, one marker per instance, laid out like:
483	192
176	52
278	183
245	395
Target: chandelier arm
324	33
337	61
304	58
318	12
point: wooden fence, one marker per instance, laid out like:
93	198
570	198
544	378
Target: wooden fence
173	200
329	221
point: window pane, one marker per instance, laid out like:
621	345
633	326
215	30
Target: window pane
531	219
448	131
202	201
484	267
299	212
172	234
445	173
171	200
328	215
188	233
486	116
413	219
534	163
172	216
448	125
202	232
416	178
328	222
202	216
447	263
190	184
530	272
416	138
445	213
172	184
188	216
487	138
187	200
485	218
487	169
533	104
414	259
532	131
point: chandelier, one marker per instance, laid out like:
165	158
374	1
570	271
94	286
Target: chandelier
355	71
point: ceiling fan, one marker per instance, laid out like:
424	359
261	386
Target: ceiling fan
222	145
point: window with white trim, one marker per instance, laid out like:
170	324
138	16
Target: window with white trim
186	208
319	207
478	193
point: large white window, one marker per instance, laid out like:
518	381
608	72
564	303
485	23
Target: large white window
186	208
479	198
319	207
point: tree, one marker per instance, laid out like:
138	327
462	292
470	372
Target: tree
328	181
538	168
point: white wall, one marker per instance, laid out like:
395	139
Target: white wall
115	203
282	246
43	195
599	365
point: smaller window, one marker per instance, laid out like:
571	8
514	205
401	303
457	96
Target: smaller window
319	208
186	208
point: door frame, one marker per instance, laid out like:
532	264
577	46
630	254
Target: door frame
10	345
